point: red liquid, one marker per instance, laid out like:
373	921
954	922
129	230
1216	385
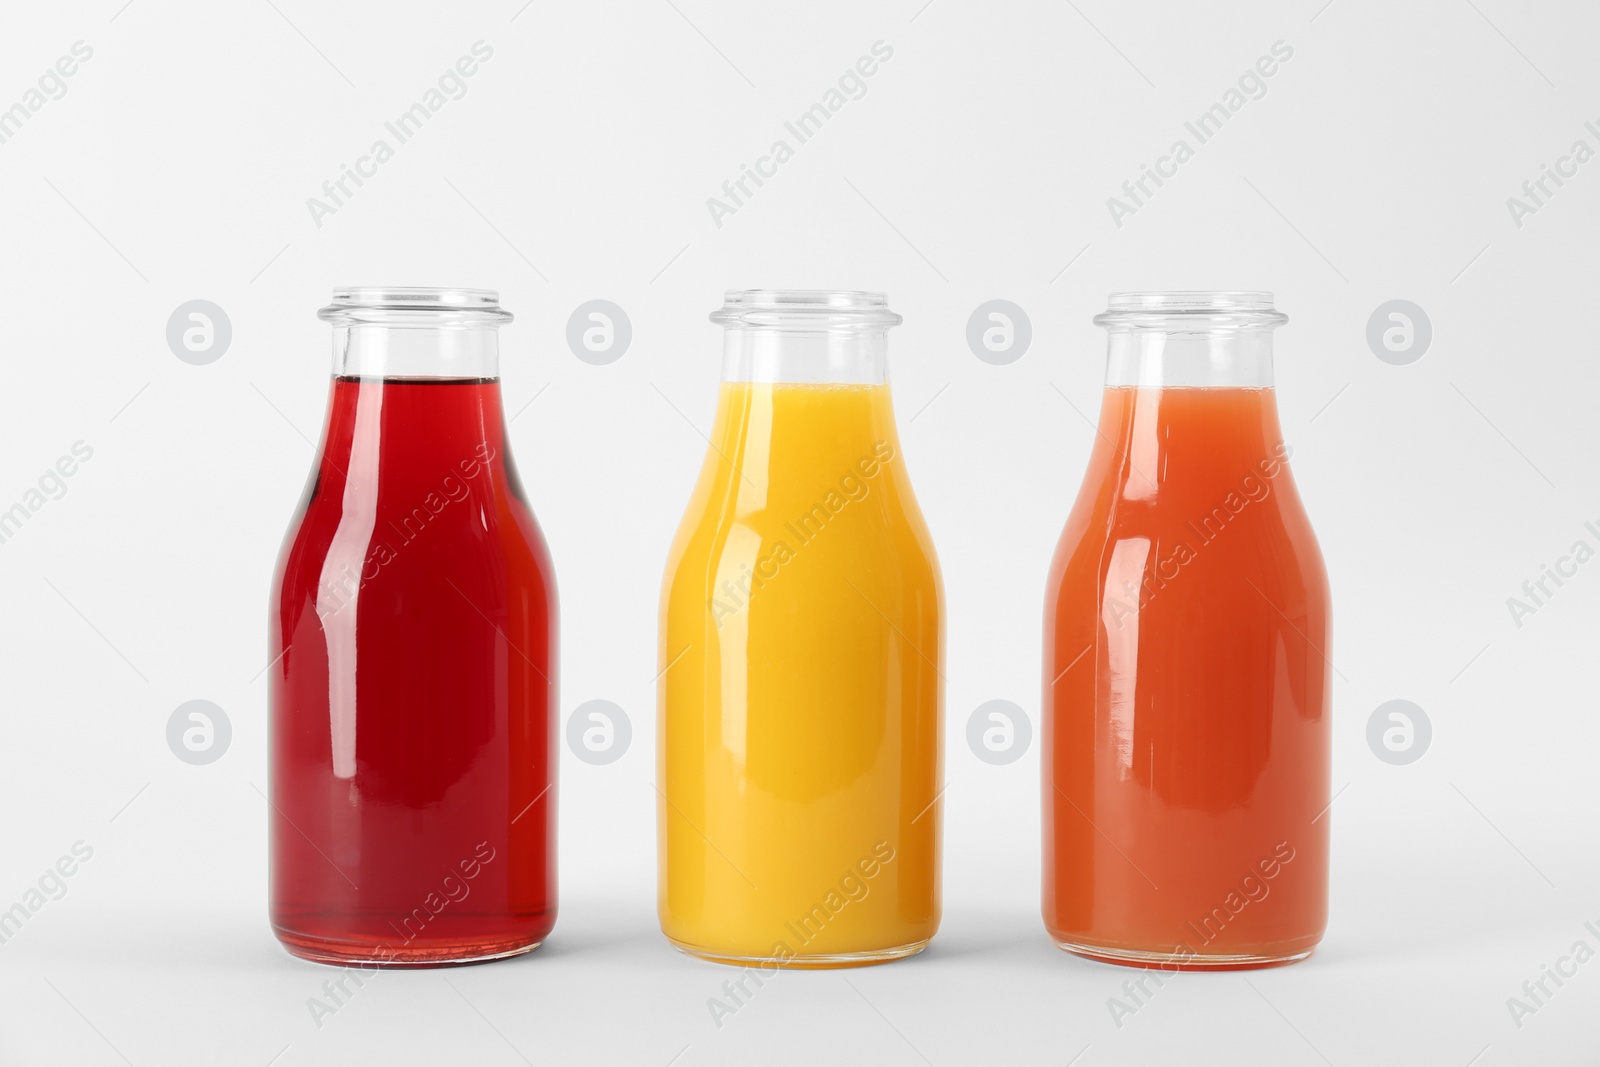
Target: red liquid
413	734
1186	731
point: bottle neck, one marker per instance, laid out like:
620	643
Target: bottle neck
819	357
1161	359
412	437
401	352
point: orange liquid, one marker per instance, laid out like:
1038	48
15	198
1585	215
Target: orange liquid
1186	732
800	689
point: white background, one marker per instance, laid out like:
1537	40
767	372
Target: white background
977	166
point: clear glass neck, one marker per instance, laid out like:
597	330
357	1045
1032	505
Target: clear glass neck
805	336
418	333
1190	340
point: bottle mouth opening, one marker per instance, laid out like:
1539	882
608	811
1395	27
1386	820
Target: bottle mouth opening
1193	310
415	306
809	310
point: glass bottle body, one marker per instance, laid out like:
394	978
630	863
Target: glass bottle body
1186	731
413	661
801	643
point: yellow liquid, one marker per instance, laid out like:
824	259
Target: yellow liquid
800	704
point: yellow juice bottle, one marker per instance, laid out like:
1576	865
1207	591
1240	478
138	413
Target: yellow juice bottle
801	642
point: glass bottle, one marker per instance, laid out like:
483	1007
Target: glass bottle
801	644
1186	732
413	658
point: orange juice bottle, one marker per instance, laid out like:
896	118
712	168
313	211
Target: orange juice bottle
801	644
1186	739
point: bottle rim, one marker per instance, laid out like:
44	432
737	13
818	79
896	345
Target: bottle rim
809	310
1190	310
415	306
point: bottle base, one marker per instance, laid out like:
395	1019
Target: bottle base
385	956
1181	961
803	961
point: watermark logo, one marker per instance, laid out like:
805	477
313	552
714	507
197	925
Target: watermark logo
1537	592
1399	732
999	732
199	332
598	732
1538	992
1253	887
347	571
450	85
851	85
599	332
1537	191
454	887
851	887
49	886
999	332
51	85
1251	85
736	591
52	485
198	732
1399	332
1141	578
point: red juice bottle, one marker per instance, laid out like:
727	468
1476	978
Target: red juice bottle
413	656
